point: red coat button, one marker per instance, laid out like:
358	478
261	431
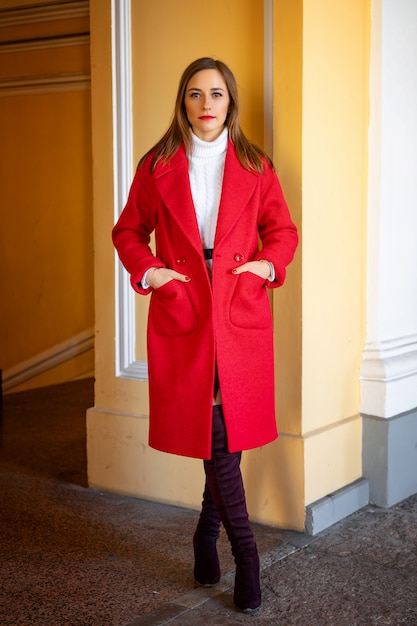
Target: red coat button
239	257
181	261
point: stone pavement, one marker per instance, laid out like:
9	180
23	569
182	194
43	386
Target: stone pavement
362	571
74	556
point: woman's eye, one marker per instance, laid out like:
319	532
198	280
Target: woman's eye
195	94
217	94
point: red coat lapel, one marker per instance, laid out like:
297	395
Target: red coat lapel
238	187
173	184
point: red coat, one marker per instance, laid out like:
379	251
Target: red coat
192	325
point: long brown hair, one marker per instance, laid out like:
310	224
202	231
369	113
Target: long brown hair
179	132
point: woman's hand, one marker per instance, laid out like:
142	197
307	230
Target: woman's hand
259	268
160	276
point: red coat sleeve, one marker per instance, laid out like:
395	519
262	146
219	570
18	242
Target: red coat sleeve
132	232
277	231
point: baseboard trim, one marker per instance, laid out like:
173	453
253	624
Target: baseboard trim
389	457
336	506
48	359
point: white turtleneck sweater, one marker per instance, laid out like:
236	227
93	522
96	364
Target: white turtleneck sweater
206	167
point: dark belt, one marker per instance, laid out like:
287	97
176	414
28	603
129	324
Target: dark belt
208	253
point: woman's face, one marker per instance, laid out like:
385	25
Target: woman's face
207	102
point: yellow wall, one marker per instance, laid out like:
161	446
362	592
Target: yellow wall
320	142
334	192
46	238
321	58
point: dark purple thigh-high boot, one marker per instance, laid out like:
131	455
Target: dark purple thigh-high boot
224	480
206	560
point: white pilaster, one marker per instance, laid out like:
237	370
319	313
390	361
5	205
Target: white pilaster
126	364
389	367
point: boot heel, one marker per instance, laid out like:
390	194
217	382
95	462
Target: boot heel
247	593
206	562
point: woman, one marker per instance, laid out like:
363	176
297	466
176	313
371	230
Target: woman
210	196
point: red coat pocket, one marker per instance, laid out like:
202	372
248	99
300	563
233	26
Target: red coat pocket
249	307
171	311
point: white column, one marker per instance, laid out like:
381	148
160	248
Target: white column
389	367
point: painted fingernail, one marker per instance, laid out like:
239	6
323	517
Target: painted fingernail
187	278
234	271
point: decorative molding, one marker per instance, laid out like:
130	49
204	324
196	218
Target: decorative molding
47	43
48	359
389	360
126	364
269	77
44	13
389	377
44	84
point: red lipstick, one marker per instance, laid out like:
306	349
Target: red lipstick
206	117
